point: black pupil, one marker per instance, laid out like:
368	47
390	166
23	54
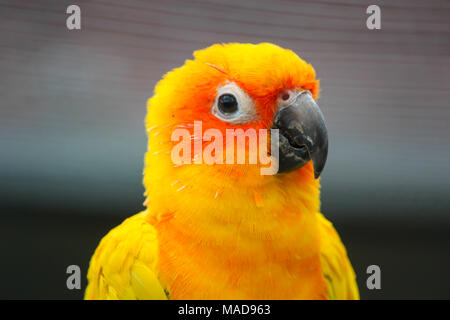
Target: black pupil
228	103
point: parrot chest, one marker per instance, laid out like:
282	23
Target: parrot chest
239	268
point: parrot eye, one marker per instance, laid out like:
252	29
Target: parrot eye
227	103
233	105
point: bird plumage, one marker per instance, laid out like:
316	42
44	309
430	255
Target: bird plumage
223	231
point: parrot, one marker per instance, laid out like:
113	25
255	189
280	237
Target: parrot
224	230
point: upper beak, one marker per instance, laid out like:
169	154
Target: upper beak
303	135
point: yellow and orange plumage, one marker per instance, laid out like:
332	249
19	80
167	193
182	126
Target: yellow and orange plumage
223	231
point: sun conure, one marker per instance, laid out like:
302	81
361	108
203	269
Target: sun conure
224	230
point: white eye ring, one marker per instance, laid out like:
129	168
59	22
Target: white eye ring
245	111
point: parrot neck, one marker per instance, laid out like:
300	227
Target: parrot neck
257	234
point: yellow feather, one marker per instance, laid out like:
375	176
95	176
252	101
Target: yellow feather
336	267
124	264
223	231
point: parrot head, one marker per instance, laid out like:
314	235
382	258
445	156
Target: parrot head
235	86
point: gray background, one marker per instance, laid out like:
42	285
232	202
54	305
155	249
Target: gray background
72	137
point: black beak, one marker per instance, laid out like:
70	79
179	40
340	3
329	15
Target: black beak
303	135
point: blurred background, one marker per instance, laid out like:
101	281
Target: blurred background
72	137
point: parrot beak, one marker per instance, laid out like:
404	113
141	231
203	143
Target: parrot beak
302	135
